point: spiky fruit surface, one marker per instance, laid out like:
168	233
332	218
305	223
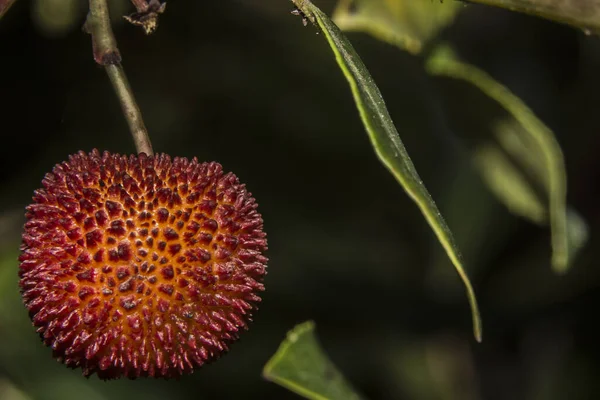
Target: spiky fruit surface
141	266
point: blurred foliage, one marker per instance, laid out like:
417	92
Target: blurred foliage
57	17
242	82
406	24
409	23
301	366
535	153
9	392
584	14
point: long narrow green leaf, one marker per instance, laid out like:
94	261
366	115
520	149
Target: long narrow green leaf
386	140
532	134
301	366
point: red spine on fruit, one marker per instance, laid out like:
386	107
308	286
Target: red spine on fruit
141	266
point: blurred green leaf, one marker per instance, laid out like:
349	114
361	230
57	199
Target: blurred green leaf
525	152
584	14
508	184
577	231
386	140
4	6
8	391
301	366
508	167
57	17
408	24
436	367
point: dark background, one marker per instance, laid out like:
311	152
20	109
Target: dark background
242	82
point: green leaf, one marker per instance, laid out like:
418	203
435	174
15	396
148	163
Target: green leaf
508	184
56	18
525	148
301	366
408	24
386	140
584	14
9	391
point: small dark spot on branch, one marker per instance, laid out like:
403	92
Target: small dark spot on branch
111	58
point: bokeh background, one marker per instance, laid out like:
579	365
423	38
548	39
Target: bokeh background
242	82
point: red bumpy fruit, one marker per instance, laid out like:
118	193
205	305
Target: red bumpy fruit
141	266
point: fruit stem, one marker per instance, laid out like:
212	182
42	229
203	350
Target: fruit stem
107	54
130	108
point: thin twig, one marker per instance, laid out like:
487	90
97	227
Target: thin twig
130	108
107	54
